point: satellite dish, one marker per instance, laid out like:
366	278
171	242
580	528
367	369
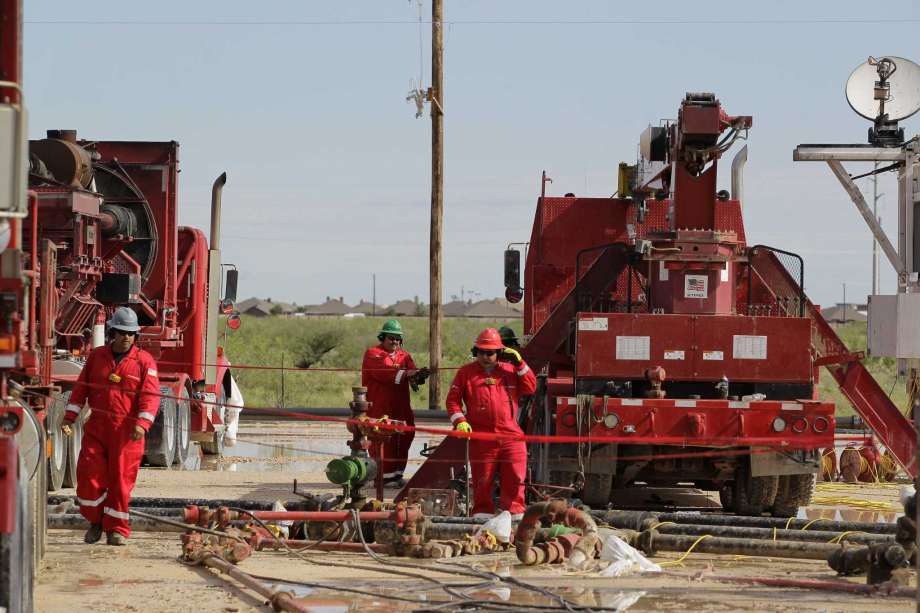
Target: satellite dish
903	96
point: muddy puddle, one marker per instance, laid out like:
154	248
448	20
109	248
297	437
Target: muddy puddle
283	454
673	598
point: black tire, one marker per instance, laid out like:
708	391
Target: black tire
725	497
753	495
160	447
38	508
74	445
596	491
17	564
57	461
183	426
794	491
215	446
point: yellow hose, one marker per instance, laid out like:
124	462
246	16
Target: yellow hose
687	553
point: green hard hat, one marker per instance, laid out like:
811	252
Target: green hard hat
507	334
391	327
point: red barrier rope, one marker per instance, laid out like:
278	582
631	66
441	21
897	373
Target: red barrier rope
797	442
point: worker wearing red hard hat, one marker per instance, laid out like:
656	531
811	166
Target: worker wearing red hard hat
119	381
490	388
388	372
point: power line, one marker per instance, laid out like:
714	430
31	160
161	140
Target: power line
482	21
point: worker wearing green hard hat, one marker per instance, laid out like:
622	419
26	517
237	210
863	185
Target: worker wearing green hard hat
388	372
392	327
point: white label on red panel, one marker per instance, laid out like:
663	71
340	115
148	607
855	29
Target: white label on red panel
696	286
662	272
594	324
674	355
723	274
747	347
713	355
633	348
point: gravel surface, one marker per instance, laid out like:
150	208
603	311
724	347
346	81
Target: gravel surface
146	576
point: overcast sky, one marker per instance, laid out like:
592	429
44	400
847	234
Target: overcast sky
303	104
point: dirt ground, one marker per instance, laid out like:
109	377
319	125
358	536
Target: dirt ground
146	575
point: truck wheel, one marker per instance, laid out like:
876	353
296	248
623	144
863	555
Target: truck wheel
794	491
753	495
74	445
160	448
57	461
597	489
16	556
38	509
215	446
183	426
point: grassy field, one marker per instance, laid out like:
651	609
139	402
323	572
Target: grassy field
337	343
333	343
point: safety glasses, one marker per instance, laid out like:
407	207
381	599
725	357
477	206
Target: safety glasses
125	333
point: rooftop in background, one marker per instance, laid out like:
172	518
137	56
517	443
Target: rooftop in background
496	308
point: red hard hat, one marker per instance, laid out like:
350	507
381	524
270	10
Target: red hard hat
489	339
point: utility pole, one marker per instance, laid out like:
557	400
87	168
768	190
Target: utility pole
436	97
844	304
875	242
374	295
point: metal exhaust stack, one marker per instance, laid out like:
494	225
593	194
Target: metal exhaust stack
216	192
738	164
210	355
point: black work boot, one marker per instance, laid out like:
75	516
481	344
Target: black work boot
116	538
93	534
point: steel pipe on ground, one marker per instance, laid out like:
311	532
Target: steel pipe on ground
398	515
68	521
170	512
737	546
279	599
818	536
294	544
807	584
779	522
641	520
140	502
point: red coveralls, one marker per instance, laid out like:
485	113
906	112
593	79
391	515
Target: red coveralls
109	459
491	400
384	376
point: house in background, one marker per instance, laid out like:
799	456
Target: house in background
256	307
332	307
843	313
497	308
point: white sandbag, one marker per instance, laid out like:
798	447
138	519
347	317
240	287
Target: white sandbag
624	558
233	412
500	526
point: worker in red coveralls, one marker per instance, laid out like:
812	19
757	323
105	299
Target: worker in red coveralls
490	388
388	372
119	381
